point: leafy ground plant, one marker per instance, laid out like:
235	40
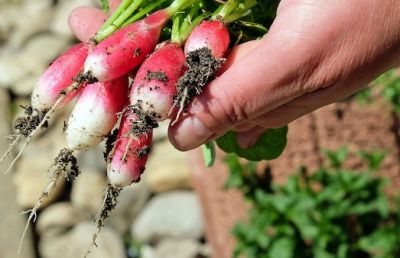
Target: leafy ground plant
330	213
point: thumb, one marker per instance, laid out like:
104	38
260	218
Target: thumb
241	93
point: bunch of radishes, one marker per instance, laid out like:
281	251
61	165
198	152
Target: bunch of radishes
168	76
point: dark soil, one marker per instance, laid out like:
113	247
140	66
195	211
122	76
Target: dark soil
202	67
145	122
143	151
85	78
111	139
27	123
110	202
159	76
66	161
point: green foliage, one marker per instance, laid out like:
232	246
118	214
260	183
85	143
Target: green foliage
270	145
332	213
208	153
104	5
388	86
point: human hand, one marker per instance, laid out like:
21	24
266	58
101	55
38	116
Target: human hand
316	52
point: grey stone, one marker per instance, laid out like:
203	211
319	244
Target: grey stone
11	221
87	191
130	202
57	218
31	177
175	214
167	169
177	248
30	18
59	24
43	49
76	242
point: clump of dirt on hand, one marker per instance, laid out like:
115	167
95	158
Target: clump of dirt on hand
26	124
202	67
159	76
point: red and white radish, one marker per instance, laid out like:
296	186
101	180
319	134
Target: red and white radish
58	77
213	35
129	156
155	83
128	47
95	113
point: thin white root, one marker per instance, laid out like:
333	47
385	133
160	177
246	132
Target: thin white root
10	148
127	148
108	205
181	107
45	194
46	117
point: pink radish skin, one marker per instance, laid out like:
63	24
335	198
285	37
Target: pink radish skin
95	113
211	34
58	76
126	49
155	95
127	164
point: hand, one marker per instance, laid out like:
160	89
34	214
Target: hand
316	52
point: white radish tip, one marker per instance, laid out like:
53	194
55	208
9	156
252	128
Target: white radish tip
94	65
119	178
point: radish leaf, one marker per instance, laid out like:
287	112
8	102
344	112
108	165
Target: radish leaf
269	146
105	6
208	153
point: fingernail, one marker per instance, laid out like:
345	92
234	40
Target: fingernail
189	134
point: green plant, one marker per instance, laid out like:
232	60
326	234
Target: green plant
331	213
388	87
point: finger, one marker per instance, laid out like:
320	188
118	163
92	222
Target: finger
85	22
237	53
249	138
241	93
307	103
244	127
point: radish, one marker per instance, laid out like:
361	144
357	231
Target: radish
46	96
128	47
94	116
129	155
205	48
154	85
95	113
60	74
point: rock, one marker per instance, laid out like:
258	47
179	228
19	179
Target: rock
88	190
175	214
31	177
167	169
92	159
147	251
130	202
10	221
12	69
75	243
177	248
59	24
43	49
24	86
57	219
31	18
